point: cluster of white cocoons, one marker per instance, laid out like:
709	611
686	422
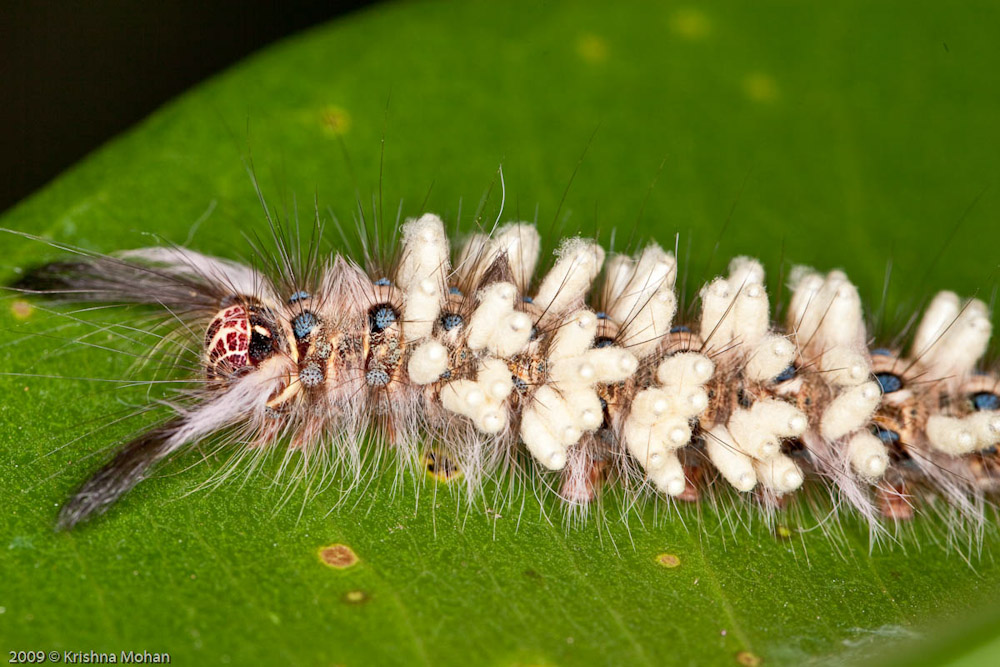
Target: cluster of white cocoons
950	340
659	419
641	293
826	314
567	405
735	321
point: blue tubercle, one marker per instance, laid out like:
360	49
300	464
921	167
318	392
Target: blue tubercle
887	436
303	324
381	317
451	321
985	400
890	382
786	375
301	295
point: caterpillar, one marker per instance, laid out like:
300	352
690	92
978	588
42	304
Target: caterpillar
589	374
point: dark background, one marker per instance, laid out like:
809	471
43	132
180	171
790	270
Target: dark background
76	73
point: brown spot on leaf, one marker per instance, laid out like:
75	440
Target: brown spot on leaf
748	659
668	560
339	556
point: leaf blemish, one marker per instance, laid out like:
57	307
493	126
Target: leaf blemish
748	659
356	597
338	556
692	24
21	309
335	120
668	560
592	48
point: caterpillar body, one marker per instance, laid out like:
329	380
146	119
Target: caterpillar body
588	371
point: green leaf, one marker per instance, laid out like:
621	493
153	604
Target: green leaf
846	135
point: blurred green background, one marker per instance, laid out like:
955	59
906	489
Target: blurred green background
852	135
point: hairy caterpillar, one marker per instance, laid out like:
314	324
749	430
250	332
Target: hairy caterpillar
589	369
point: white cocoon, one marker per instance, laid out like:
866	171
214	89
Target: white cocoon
668	476
495	302
768	357
617	272
511	336
570	278
585	409
520	243
806	284
424	252
574	336
611	364
651	405
733	465
951	435
751	436
462	397
845	367
428	361
673	431
540	440
421	307
494	379
779	474
744	271
781	418
986	426
716	313
850	410
938	317
961	346
840	314
751	313
553	411
868	456
683	369
650	323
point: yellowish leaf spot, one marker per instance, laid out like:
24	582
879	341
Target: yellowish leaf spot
748	659
592	48
760	87
21	309
335	120
691	23
356	597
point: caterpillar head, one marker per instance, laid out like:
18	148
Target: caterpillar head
242	335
